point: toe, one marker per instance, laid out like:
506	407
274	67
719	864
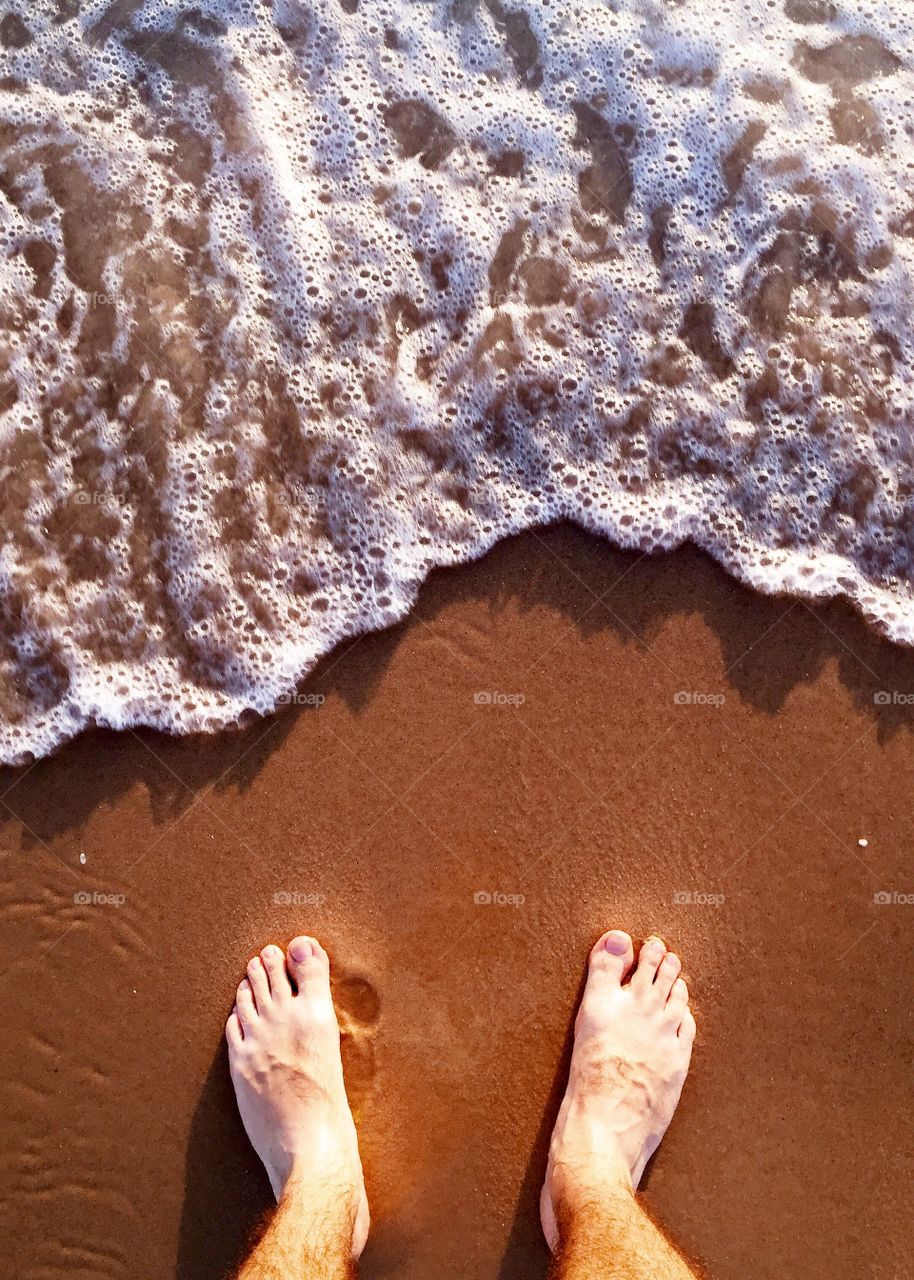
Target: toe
260	983
666	976
613	955
649	959
233	1033
687	1027
679	994
308	964
677	1003
245	1007
274	961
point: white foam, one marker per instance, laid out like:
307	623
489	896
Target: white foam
300	300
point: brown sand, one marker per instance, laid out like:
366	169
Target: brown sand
599	799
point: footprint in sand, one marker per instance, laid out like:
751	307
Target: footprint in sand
358	1008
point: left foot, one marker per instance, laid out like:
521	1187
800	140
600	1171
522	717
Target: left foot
284	1055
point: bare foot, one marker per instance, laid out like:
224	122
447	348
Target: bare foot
284	1054
632	1045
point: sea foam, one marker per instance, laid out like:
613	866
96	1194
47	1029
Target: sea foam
299	300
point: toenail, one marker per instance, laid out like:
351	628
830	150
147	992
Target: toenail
299	949
617	943
653	946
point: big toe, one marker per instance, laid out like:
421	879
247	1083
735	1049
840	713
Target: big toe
308	965
612	957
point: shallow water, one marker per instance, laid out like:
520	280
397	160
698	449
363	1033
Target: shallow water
300	300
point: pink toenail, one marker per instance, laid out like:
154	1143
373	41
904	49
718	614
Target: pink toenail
617	944
300	950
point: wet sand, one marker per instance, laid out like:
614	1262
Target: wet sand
381	814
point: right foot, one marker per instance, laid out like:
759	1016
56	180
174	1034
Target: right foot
632	1045
284	1055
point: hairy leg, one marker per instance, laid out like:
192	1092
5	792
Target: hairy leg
615	1240
284	1056
307	1239
633	1041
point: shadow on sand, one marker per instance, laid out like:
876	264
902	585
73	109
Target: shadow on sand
561	568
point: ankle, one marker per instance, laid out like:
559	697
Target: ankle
327	1199
584	1199
305	1184
584	1221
